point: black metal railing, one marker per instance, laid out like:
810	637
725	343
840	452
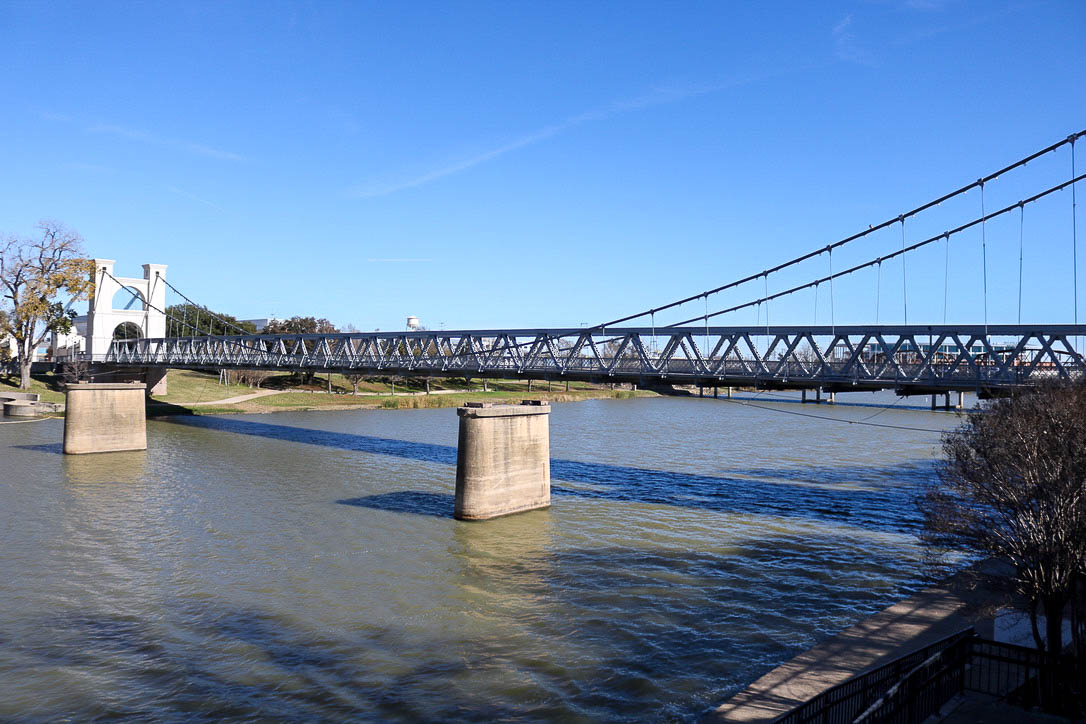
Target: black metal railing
846	701
923	690
914	687
1028	677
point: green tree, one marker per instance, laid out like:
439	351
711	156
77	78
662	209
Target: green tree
302	325
34	274
189	320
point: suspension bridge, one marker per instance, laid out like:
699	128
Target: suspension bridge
926	358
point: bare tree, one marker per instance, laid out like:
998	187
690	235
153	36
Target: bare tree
253	378
33	274
1013	485
256	378
354	378
75	371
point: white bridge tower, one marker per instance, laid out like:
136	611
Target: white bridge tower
118	301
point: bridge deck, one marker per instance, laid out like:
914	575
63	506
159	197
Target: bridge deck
914	359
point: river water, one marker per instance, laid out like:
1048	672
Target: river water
306	566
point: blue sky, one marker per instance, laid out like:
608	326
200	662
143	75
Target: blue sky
545	164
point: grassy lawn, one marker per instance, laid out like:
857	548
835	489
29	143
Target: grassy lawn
504	391
198	386
187	386
386	384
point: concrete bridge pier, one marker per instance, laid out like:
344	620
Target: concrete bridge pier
156	381
105	417
831	397
503	461
946	401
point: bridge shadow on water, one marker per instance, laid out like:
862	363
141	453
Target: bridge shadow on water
857	496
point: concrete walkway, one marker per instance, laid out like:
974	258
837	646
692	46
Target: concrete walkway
232	400
900	629
972	708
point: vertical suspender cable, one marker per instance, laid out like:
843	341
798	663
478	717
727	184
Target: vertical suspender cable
833	319
1021	237
904	285
767	305
984	255
816	305
706	355
946	275
1074	230
878	289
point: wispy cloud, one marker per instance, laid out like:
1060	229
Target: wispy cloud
926	4
194	197
90	167
56	117
141	136
399	261
658	96
845	45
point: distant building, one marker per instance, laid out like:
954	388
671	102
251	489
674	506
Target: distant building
260	324
12	348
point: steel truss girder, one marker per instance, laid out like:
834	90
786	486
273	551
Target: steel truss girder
963	357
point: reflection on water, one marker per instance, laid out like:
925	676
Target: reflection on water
306	565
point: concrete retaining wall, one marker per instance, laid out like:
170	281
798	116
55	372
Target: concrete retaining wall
28	396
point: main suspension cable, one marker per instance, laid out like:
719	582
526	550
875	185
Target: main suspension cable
137	296
891	255
214	316
870	230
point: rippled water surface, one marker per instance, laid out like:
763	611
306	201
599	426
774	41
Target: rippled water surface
306	565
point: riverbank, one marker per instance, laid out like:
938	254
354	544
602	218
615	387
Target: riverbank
197	393
194	392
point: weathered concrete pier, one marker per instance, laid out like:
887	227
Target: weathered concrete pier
502	460
105	417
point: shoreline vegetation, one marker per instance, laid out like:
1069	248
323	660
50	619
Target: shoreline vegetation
195	392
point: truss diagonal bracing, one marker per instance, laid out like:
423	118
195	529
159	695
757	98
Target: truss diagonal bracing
916	359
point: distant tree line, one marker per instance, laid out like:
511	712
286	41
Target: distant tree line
300	325
189	320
